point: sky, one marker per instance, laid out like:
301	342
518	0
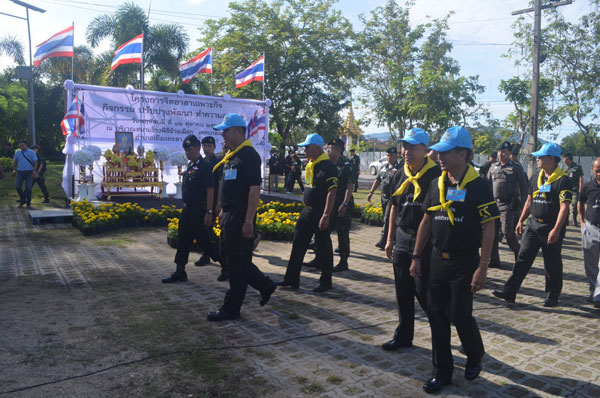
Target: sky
480	31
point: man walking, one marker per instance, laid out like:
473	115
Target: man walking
589	215
319	199
550	195
459	214
575	175
355	163
384	178
239	193
25	167
509	186
41	169
411	185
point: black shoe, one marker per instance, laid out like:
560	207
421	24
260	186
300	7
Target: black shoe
266	295
285	283
320	288
575	223
311	264
46	200
203	260
551	302
222	315
597	304
434	385
176	277
380	245
342	266
222	277
394	344
337	250
21	205
472	370
29	205
504	296
590	298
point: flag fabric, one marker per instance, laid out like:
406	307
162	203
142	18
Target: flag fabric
253	73
73	122
257	124
201	63
59	45
129	53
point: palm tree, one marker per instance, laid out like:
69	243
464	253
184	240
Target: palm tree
164	44
12	47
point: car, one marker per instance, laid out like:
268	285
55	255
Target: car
375	166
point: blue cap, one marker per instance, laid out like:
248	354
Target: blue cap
313	138
231	120
548	149
454	137
416	136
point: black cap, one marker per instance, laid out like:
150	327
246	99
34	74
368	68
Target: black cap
352	150
291	151
505	145
392	149
494	154
337	142
208	140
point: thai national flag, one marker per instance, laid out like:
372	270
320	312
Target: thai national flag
73	122
129	53
201	63
253	73
257	124
59	45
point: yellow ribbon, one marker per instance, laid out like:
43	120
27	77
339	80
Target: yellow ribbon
471	175
414	179
230	154
310	168
556	174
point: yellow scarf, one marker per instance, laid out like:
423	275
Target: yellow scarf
414	179
310	168
556	174
470	176
230	154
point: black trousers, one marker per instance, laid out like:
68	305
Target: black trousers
306	226
407	288
191	226
451	301
342	227
292	180
386	207
238	260
534	238
41	181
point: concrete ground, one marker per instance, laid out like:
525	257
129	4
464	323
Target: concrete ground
307	344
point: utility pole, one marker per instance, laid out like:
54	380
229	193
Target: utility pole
531	145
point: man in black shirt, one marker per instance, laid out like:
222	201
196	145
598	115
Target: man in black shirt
319	198
295	165
196	216
41	169
384	178
486	166
589	205
355	163
548	202
239	193
405	216
275	170
212	250
459	214
287	168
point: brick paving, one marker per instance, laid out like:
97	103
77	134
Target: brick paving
531	350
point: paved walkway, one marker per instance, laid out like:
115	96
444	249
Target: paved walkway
531	350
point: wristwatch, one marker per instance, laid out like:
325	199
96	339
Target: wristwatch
346	204
209	211
415	256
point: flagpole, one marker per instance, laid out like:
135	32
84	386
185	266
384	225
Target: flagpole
142	67
73	55
264	76
211	72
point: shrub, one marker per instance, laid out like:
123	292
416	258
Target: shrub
7	164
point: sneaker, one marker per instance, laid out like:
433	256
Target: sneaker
46	201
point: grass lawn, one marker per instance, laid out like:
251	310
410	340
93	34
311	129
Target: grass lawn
53	176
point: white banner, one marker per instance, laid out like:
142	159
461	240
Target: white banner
157	119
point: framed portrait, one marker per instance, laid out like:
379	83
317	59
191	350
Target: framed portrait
124	139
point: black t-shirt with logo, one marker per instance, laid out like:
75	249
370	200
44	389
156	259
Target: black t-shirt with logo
546	206
197	177
345	174
325	178
410	213
478	207
241	173
590	195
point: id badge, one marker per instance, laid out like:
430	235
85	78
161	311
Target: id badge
456	195
545	188
230	174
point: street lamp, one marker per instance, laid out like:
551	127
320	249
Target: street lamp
30	102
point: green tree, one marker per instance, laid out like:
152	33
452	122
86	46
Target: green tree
575	143
13	108
309	61
164	44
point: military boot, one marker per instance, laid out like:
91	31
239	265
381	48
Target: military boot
178	276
